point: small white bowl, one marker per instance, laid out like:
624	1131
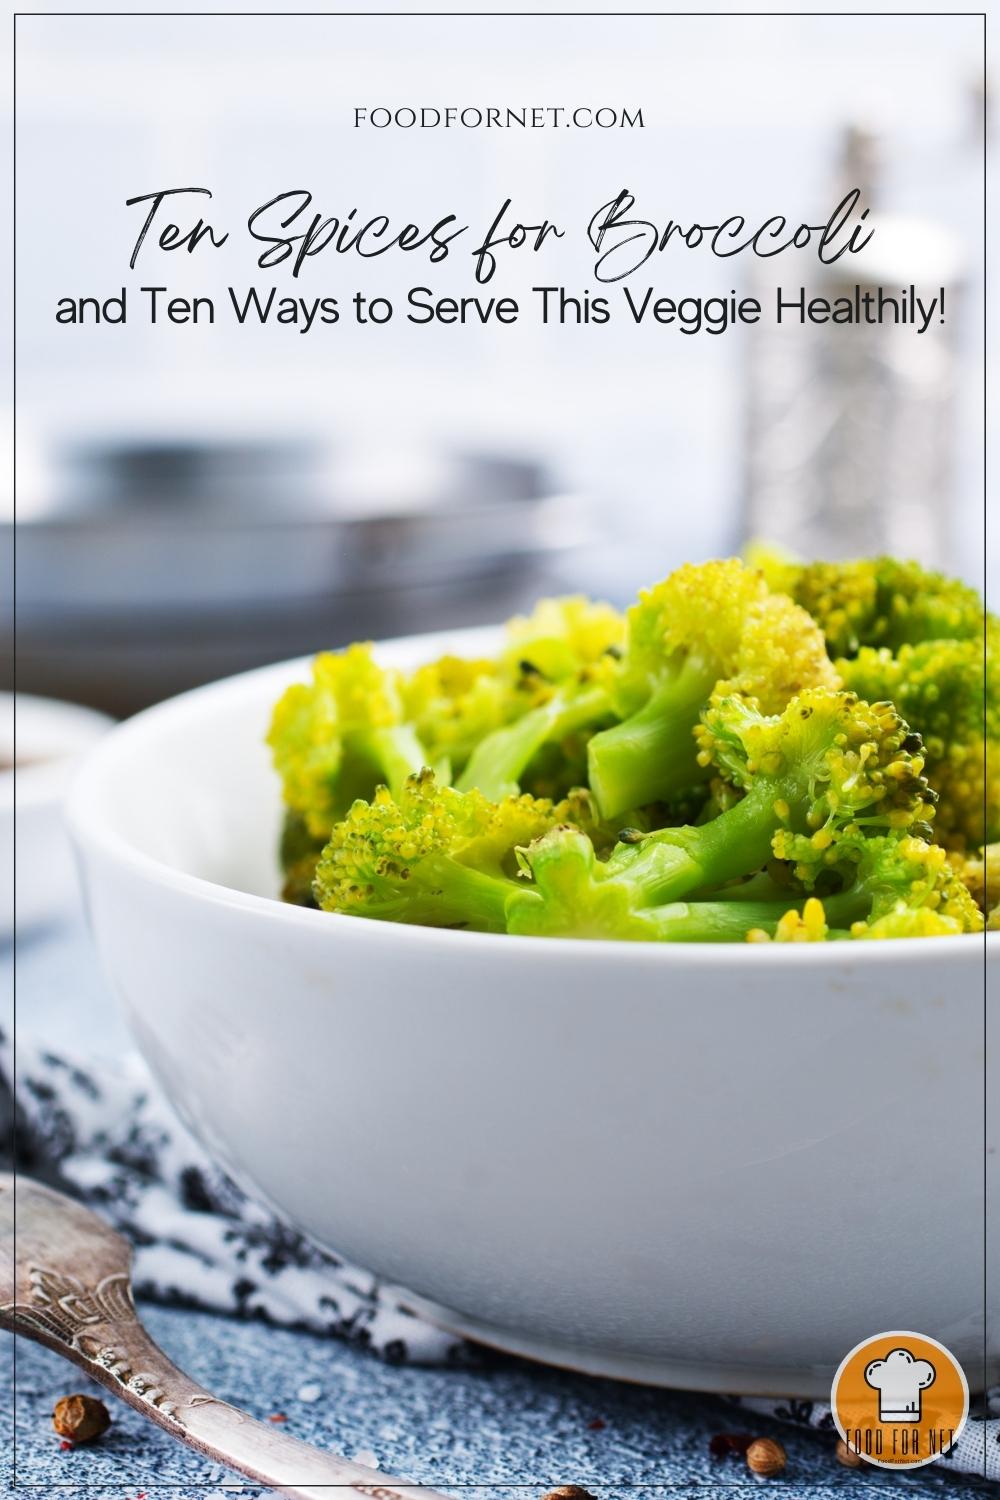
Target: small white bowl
41	742
707	1166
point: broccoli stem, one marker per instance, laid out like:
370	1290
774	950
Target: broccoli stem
651	756
446	893
759	887
397	752
714	921
851	905
460	896
675	862
497	764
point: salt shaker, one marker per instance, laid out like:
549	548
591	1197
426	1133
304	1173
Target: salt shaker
848	442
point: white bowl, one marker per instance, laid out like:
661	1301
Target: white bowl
47	742
708	1166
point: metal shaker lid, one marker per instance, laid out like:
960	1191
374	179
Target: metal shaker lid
904	249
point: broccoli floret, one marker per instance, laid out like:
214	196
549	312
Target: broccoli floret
826	769
502	762
902	887
774	783
829	765
877	601
431	855
980	874
561	660
563	635
806	926
339	736
896	886
942	690
709	626
454	702
575	894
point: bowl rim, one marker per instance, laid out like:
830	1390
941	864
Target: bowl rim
90	831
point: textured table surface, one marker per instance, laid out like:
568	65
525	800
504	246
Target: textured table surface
497	1425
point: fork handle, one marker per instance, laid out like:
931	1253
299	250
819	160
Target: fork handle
124	1358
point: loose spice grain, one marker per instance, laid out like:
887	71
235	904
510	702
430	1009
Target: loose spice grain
80	1419
766	1457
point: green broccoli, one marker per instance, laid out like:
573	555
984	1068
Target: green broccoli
951	696
455	701
341	735
876	601
560	659
826	768
778	740
808	925
899	631
431	855
561	636
711	626
912	889
979	872
575	894
893	886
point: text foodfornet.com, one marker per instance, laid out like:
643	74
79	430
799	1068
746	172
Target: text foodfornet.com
471	117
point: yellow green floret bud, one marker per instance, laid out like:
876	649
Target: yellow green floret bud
431	855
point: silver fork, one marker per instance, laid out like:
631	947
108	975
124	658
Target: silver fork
64	1281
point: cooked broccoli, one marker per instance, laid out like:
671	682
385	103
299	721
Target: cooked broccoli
711	626
829	764
896	886
431	855
945	691
980	873
902	887
825	769
339	736
902	632
574	894
500	762
563	635
455	701
561	659
299	851
806	926
711	767
876	601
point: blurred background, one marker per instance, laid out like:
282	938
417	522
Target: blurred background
196	500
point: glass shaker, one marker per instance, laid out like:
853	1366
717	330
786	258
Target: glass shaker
849	427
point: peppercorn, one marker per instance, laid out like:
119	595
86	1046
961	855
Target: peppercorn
766	1457
847	1456
80	1418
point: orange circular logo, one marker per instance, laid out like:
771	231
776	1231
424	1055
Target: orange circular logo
900	1400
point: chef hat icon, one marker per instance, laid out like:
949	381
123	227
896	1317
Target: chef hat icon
900	1380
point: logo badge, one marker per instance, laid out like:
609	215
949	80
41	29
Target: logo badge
900	1400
